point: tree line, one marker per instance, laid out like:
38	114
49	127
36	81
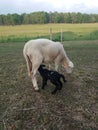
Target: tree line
44	17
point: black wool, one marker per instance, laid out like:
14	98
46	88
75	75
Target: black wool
53	76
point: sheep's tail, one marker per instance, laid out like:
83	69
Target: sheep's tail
29	64
62	76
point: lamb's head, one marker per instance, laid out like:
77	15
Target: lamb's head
41	67
68	66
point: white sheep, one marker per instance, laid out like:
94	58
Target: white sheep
43	50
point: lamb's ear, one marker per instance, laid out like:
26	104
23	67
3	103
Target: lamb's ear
42	65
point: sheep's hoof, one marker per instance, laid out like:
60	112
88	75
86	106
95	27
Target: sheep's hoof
36	89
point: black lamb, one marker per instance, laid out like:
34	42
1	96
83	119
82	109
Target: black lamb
53	76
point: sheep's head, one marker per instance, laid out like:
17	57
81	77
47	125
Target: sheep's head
68	67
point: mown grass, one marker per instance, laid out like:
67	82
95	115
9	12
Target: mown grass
75	107
21	33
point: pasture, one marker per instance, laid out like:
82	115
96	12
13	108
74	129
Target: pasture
75	107
22	33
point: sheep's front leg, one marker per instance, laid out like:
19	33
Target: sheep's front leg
56	67
56	64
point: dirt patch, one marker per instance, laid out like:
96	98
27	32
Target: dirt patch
75	107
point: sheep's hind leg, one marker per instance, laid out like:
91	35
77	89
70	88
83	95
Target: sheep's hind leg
35	85
33	76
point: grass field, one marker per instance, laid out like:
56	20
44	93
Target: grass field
70	32
75	107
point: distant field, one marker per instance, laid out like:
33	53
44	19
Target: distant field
75	107
25	32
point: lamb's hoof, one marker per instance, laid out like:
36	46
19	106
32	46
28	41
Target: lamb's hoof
65	81
53	93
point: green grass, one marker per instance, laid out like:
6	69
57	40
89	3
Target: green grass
75	107
21	33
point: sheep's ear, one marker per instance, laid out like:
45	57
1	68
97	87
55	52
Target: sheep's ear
65	64
69	64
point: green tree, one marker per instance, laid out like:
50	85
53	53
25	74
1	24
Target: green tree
1	20
85	18
26	19
67	18
44	17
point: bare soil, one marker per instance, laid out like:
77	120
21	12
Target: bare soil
75	107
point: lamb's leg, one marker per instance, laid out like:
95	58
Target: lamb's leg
55	90
44	83
57	86
60	84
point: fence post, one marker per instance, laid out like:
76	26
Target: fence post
50	33
61	36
